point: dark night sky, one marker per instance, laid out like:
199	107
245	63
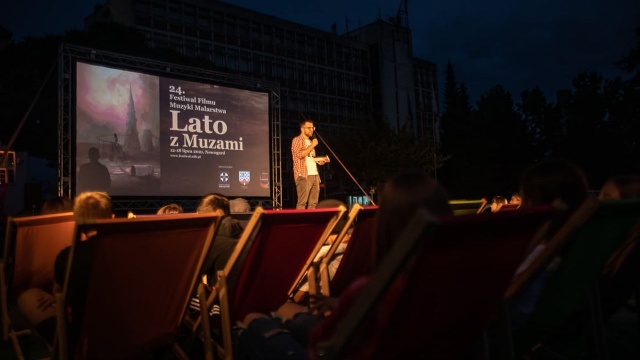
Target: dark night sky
519	44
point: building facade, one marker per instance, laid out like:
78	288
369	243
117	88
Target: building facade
340	81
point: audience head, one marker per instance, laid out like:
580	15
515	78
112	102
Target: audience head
56	205
214	203
553	179
620	187
239	205
515	199
92	205
399	200
333	203
497	202
170	209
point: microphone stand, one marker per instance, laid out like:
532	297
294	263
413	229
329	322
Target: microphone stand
344	167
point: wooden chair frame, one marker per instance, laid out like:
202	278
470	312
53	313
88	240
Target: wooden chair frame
357	212
186	239
242	264
600	225
439	251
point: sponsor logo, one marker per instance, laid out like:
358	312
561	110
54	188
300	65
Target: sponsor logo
244	177
264	180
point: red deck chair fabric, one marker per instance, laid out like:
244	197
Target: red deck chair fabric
143	272
509	207
459	271
356	260
31	246
274	253
38	240
283	246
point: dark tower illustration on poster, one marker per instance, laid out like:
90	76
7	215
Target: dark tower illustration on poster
131	139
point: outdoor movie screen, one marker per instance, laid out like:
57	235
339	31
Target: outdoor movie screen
144	135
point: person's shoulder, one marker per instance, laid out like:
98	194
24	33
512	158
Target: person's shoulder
230	227
65	251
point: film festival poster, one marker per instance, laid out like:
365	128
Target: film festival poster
159	136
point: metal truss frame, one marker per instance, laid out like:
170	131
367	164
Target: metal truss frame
69	54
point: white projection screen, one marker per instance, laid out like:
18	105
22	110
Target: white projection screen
144	135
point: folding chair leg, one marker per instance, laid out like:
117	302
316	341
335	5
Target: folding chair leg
16	346
225	318
61	333
206	329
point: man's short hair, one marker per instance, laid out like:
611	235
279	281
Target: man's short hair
239	205
212	202
92	205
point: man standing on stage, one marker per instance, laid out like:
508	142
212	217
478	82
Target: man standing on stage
305	171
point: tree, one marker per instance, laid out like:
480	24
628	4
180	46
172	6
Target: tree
459	140
507	144
543	126
375	155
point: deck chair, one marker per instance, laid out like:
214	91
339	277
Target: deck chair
142	272
439	304
271	258
31	246
509	207
585	243
356	260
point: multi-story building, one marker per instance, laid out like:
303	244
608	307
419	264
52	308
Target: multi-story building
339	81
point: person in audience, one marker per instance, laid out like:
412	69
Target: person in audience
492	206
497	202
620	187
170	209
621	275
37	305
554	179
229	232
515	199
543	183
270	337
239	205
56	205
617	284
302	293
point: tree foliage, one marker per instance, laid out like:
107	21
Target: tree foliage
594	124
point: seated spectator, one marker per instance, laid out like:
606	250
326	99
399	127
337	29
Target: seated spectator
621	278
301	295
170	209
544	183
229	232
492	206
620	187
239	205
271	337
515	199
37	305
497	202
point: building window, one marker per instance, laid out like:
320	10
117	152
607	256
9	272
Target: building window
232	59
